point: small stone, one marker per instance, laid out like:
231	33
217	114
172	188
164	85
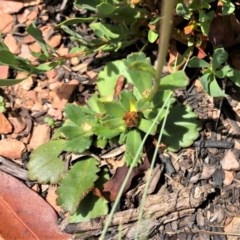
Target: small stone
4	72
91	74
75	60
5	125
56	114
51	75
54	86
12	44
35	47
55	40
37	107
18	124
63	94
229	161
6	23
28	39
32	15
62	50
27	83
228	178
11	148
25	52
40	135
22	17
81	68
236	144
12	6
31	94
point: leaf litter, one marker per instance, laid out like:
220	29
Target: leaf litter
180	208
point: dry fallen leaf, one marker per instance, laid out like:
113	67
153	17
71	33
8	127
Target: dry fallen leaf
25	215
233	227
112	186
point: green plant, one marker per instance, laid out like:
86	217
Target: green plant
215	69
115	24
50	121
114	117
193	27
46	60
200	14
131	103
2	105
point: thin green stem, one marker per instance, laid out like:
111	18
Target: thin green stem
148	180
120	193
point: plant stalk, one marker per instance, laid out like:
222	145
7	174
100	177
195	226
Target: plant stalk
148	180
164	33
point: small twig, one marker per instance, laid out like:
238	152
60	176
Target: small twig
113	153
13	169
188	230
63	5
213	144
157	206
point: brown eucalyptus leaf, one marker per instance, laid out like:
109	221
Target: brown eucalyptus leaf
24	214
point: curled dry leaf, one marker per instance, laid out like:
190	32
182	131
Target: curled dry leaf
112	187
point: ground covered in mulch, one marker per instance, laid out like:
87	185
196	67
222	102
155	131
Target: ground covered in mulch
194	193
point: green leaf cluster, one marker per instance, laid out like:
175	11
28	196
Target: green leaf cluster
75	185
130	103
78	129
116	25
111	116
198	16
138	72
217	68
46	62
